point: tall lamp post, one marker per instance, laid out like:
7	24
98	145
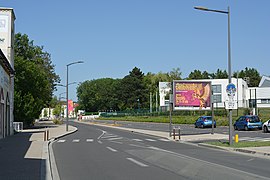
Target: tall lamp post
77	62
229	62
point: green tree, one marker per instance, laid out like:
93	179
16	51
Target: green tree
220	74
98	95
35	79
133	90
197	74
252	74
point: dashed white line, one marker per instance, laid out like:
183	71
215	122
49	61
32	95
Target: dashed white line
61	141
76	140
138	140
99	142
137	162
151	140
89	140
111	149
166	140
116	138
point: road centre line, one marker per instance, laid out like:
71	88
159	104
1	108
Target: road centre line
76	140
137	162
111	149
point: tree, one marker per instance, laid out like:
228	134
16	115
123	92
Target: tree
34	81
252	74
219	74
98	95
132	90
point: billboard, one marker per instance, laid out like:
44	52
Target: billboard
192	95
70	106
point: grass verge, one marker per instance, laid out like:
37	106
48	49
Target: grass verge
241	144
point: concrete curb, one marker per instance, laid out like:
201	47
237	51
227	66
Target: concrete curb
239	150
50	169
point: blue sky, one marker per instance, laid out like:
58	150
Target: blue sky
114	36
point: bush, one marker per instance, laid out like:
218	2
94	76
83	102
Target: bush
57	121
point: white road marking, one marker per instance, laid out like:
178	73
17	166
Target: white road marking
110	136
166	140
138	140
137	162
99	142
151	140
76	140
116	138
61	141
89	140
111	149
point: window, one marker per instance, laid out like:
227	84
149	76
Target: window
216	88
265	101
217	98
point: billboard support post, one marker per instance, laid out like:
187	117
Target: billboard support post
212	104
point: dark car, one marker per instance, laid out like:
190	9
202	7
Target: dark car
248	122
204	121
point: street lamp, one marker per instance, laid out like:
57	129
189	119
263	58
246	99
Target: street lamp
77	62
229	62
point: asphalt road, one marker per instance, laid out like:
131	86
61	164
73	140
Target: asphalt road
106	153
189	129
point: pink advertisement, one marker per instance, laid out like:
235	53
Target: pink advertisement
192	95
70	106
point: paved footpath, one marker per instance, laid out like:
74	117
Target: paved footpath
24	156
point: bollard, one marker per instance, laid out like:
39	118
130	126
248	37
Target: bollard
173	133
179	133
47	135
236	138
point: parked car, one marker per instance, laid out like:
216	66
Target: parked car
204	121
248	122
266	126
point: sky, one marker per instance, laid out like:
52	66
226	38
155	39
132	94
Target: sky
114	36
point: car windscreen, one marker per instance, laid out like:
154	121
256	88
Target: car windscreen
208	118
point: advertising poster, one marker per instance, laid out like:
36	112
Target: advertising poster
192	95
70	106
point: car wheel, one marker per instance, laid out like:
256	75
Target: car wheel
265	130
246	128
196	126
235	128
215	126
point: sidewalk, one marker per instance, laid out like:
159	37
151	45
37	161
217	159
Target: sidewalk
25	154
263	152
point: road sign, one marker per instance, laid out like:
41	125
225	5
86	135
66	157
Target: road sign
230	102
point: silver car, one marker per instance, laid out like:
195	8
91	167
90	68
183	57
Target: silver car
266	126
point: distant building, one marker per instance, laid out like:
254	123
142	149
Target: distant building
260	96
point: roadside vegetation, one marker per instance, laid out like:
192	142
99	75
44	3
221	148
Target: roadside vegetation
241	144
183	117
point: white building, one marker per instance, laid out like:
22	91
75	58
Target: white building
7	19
218	89
260	95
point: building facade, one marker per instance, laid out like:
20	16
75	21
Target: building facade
7	19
